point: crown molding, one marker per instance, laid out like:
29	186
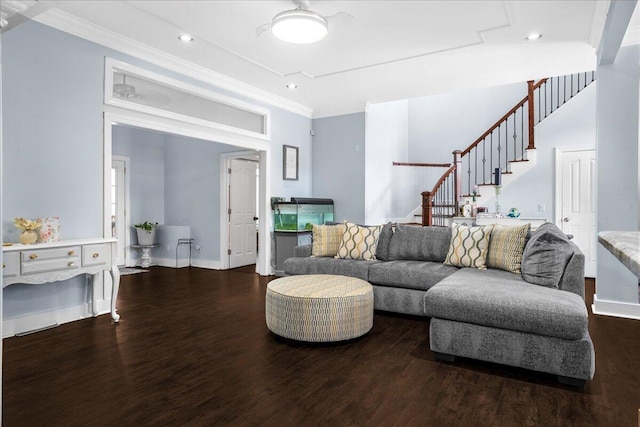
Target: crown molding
78	27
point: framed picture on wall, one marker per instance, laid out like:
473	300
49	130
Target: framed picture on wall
289	163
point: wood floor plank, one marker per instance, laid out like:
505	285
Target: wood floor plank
192	349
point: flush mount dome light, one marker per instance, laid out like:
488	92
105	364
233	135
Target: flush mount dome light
533	36
299	26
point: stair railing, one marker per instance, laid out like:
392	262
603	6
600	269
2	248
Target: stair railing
501	145
440	203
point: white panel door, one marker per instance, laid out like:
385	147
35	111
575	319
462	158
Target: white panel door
578	213
242	215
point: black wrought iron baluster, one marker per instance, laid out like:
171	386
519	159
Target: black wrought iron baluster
558	93
490	157
515	138
475	168
499	146
484	160
522	131
506	142
468	174
539	106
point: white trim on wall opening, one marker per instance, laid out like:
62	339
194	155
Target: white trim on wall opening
112	65
115	116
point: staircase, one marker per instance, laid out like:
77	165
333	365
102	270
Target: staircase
506	147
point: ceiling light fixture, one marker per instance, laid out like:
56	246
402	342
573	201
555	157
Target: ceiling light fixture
185	38
292	86
533	36
299	26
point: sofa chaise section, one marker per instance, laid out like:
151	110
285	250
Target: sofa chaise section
496	316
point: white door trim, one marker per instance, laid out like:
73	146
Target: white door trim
127	203
225	164
113	115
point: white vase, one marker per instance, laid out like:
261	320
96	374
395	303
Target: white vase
146	238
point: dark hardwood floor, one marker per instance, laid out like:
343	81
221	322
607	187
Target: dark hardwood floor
192	349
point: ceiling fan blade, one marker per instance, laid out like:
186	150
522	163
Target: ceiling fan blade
262	28
301	4
337	15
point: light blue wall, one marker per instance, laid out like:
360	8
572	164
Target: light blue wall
192	191
146	151
174	180
617	153
338	164
53	144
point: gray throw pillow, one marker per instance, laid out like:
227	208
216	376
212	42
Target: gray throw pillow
410	242
545	256
382	251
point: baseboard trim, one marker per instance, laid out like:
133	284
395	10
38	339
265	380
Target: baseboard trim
615	308
207	263
170	262
40	321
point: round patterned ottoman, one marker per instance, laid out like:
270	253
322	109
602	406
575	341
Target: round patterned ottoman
319	308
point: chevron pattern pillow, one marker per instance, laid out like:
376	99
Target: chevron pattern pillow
506	247
469	246
326	239
359	242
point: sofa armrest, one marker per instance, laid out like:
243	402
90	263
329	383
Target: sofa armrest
303	251
573	277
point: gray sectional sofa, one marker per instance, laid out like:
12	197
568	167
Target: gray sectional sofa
491	315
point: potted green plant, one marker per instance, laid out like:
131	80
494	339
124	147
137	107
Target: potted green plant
146	232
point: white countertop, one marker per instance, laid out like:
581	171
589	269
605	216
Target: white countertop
624	245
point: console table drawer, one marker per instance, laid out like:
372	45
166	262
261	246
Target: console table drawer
45	254
95	255
45	260
10	265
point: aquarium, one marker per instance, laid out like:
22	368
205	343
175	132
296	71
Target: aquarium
301	213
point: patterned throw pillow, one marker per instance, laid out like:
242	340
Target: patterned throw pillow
326	239
506	247
469	246
359	242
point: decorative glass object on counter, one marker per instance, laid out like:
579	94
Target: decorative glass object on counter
301	213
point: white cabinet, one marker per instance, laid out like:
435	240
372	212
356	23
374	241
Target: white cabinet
51	262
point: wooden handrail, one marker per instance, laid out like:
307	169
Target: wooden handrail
442	178
427	197
499	122
425	165
540	83
494	127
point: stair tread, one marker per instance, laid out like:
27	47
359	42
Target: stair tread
518	161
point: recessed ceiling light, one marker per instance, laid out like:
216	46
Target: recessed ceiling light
185	38
533	36
292	86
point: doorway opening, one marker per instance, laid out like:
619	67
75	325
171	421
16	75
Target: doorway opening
259	149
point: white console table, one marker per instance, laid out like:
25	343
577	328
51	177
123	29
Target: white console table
51	262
